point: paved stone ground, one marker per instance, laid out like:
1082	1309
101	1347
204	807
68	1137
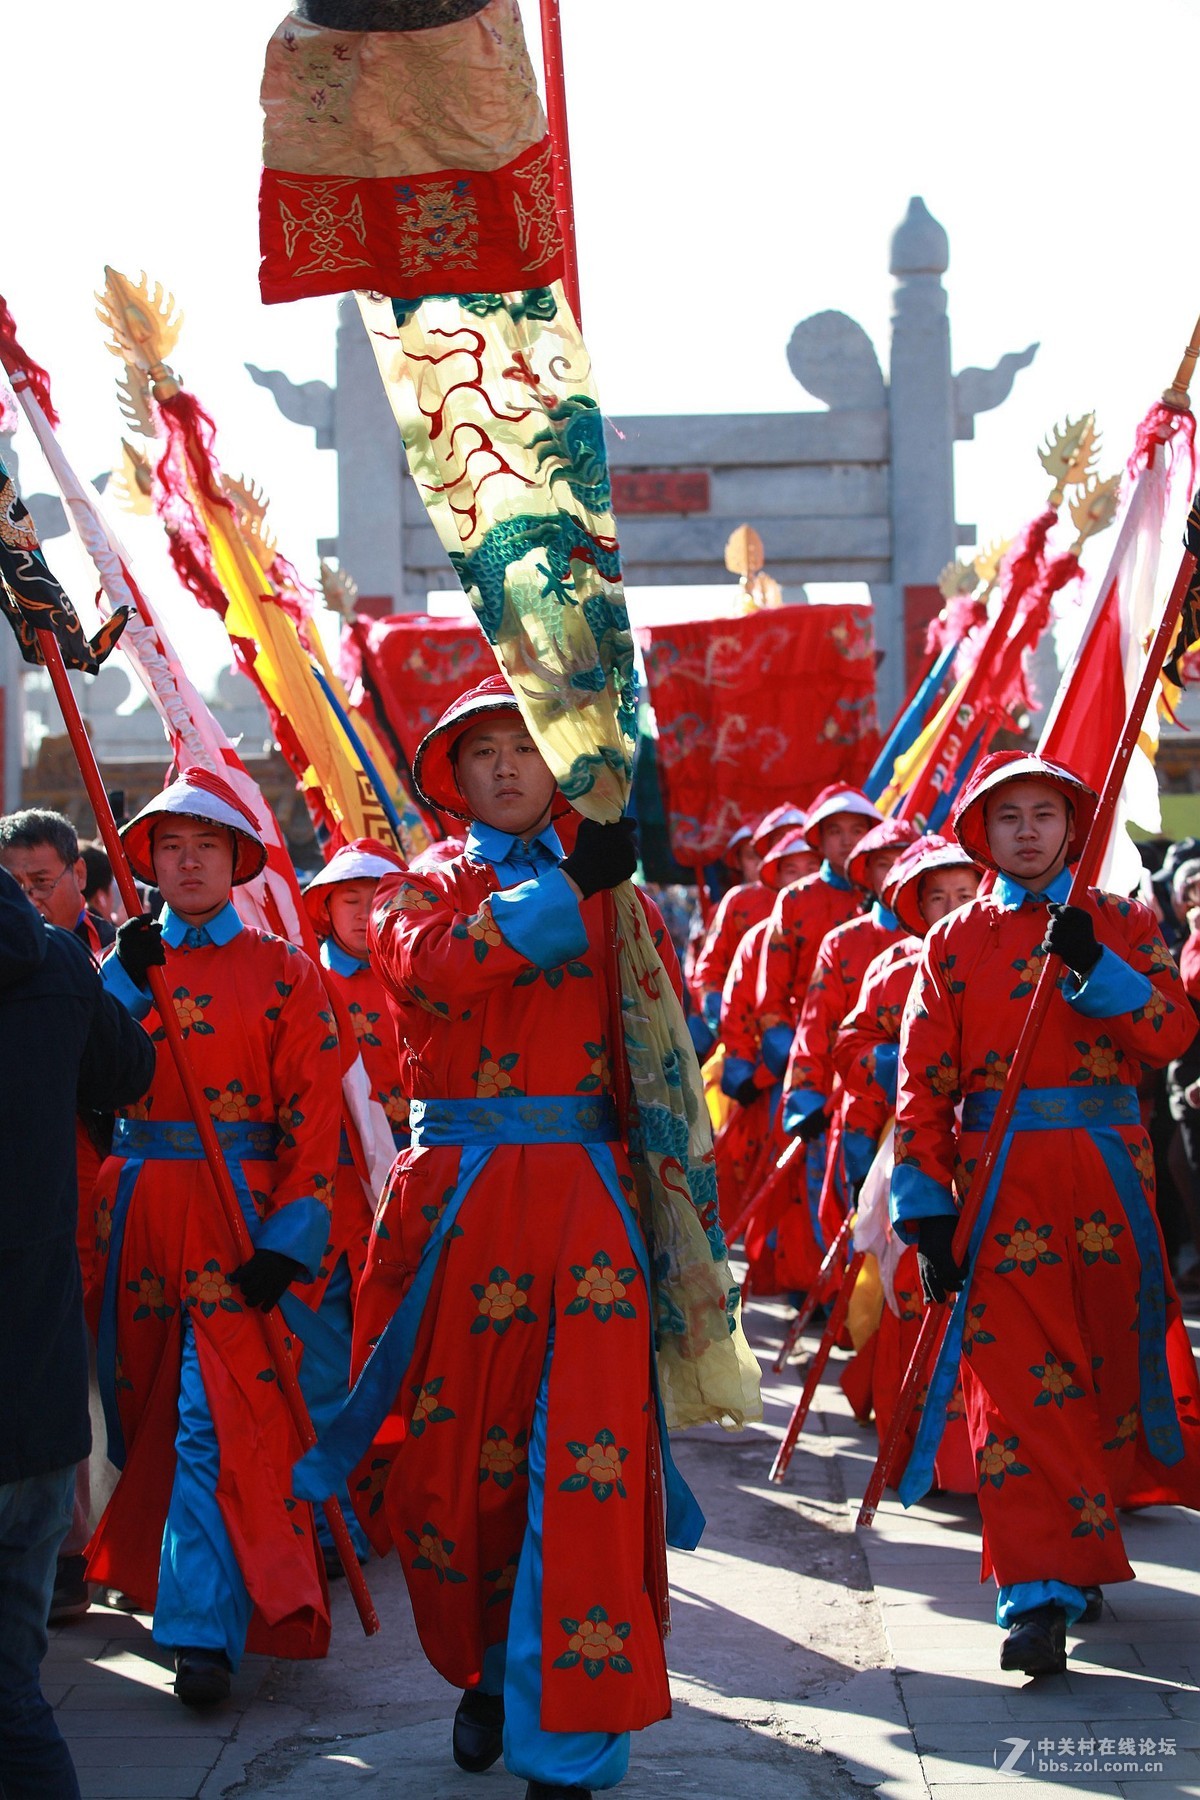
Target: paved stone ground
808	1663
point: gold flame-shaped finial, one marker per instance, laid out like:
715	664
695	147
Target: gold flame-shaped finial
1068	453
143	327
250	504
132	483
988	563
958	578
1094	508
339	589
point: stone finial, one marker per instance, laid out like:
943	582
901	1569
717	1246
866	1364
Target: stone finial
919	245
303	402
832	357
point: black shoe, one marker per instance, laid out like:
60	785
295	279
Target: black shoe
1037	1642
202	1677
542	1790
478	1731
72	1596
1094	1597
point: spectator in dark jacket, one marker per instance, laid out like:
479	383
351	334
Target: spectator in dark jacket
63	1041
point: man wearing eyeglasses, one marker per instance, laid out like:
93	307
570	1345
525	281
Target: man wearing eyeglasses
40	849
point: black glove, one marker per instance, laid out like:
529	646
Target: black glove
140	947
940	1274
747	1092
266	1278
813	1125
1070	934
603	857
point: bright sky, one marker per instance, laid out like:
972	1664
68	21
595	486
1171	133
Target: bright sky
736	168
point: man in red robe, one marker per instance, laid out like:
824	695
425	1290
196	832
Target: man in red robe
518	1461
742	907
751	1140
1080	1385
338	901
929	880
202	1528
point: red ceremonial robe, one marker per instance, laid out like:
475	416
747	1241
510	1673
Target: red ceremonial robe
742	907
865	1054
1080	1385
538	1237
750	1141
810	1080
262	1042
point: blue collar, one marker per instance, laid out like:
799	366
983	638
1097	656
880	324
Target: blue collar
221	929
886	920
487	843
339	960
832	879
1009	893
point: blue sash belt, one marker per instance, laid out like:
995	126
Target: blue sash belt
540	1119
478	1129
175	1140
1099	1111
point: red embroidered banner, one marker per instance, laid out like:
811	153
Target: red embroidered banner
757	710
458	230
411	667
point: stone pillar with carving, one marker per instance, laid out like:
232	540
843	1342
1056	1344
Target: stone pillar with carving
921	432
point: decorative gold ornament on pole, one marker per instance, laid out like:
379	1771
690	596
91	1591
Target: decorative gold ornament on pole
744	558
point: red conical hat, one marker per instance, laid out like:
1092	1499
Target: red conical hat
360	860
772	825
995	771
902	883
893	834
788	845
837	798
197	794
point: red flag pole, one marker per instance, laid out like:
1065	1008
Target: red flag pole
230	1205
933	1323
816	1292
560	144
829	1337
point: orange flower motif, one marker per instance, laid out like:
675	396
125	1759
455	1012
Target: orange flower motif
1155	1007
427	1402
149	1291
103	1226
408	899
208	1288
361	1022
1095	1516
483	928
1143	1162
498	1456
188	1011
500	1300
595	1640
996	1074
599	1068
995	1459
943	1080
1025	1246
1127	1426
1055	1378
1094	1236
230	1105
600	1462
430	1547
600	1287
1102	1062
395	1105
492	1079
